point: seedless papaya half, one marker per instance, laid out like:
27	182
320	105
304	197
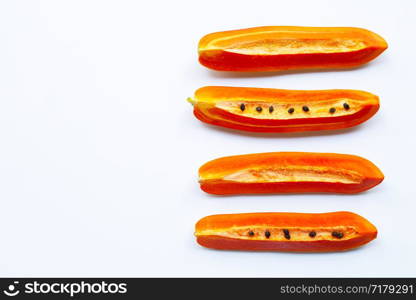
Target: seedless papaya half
276	110
288	172
297	232
277	48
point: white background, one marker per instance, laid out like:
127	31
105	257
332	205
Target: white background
99	149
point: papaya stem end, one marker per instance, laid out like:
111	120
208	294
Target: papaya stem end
190	100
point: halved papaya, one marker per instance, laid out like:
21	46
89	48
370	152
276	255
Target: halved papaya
289	172
276	110
298	232
276	48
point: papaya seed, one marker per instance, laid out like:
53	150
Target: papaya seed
337	234
286	233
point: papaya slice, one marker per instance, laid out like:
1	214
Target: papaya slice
276	110
277	48
298	232
289	172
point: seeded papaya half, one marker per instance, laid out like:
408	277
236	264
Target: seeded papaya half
277	48
288	172
297	232
276	110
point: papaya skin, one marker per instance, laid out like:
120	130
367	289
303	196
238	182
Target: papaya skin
285	232
279	48
236	108
289	172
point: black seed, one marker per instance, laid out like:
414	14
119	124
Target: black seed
337	234
305	108
242	107
332	110
271	109
259	109
312	234
346	106
251	233
267	234
291	110
286	233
